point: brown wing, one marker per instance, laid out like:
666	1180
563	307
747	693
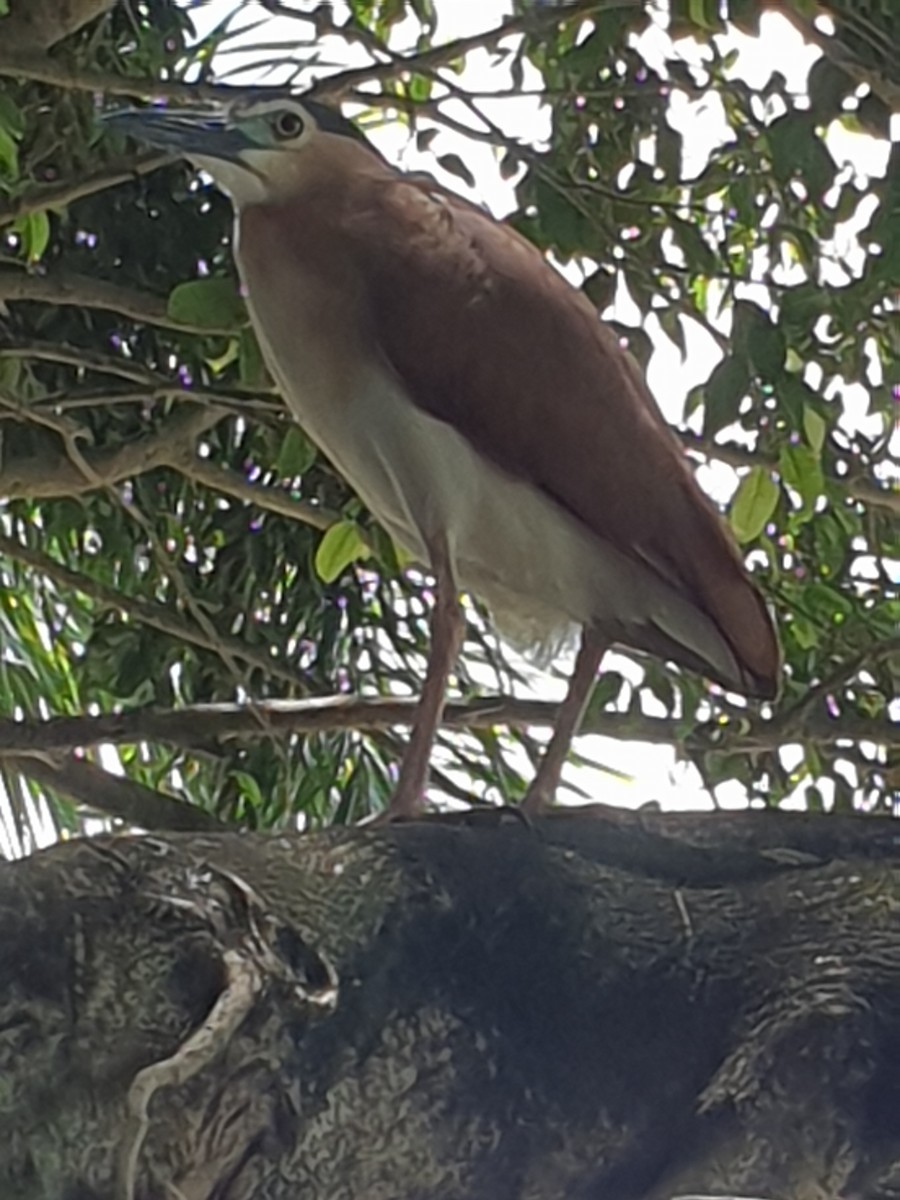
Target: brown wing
488	337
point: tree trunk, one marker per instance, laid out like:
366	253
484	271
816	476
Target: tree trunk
607	1006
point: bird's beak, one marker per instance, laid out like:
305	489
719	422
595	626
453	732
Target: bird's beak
194	133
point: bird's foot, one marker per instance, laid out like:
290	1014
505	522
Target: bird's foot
407	804
539	798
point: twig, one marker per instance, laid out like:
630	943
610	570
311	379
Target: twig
345	82
201	470
85	360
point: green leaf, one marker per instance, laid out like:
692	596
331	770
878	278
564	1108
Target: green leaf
9	155
606	690
827	86
11	373
753	504
698	255
755	336
600	288
251	366
35	233
705	14
801	306
723	394
454	165
419	88
11	116
561	223
297	454
670	320
745	15
801	470
874	116
341	545
249	788
767	350
815	429
207	303
223	361
426	12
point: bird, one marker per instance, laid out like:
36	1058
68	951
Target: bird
495	426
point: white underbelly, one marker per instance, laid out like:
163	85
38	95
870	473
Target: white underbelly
536	568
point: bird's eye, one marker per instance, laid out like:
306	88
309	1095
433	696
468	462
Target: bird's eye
287	124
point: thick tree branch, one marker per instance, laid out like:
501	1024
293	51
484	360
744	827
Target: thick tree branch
150	613
196	724
615	1005
115	796
46	477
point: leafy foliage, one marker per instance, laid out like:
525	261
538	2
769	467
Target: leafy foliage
162	537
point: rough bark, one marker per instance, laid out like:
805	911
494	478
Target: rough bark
607	1006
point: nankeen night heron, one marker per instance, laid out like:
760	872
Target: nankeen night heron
491	422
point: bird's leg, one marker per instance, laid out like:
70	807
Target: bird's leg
447	627
543	787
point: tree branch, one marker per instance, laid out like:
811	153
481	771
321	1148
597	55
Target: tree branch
81	291
83	359
186	727
41	68
150	613
42	478
220	479
344	82
116	796
57	72
604	1004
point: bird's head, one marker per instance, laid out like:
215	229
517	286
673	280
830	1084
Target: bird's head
254	148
